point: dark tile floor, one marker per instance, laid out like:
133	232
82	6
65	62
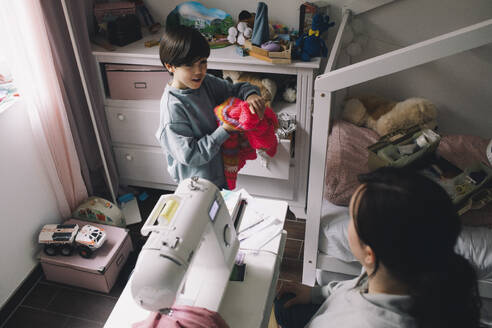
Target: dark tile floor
53	305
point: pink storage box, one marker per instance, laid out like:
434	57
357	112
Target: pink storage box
98	272
135	82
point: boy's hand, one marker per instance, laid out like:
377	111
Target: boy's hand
256	105
228	128
302	292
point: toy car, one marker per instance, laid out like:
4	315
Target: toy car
89	239
62	238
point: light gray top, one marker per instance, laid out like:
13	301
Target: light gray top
347	304
188	130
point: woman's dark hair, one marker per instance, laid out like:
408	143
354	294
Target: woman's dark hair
412	226
182	45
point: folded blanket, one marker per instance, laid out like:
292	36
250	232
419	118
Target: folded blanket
255	134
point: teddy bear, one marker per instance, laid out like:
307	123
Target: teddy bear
268	87
386	116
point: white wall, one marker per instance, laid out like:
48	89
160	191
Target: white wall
26	199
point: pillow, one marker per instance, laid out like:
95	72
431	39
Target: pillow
347	157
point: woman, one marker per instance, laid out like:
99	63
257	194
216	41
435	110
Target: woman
402	230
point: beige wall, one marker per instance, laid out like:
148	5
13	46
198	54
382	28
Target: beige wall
26	199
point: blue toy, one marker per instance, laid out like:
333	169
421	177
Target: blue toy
311	44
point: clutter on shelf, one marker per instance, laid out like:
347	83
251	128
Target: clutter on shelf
239	34
213	23
287	126
117	23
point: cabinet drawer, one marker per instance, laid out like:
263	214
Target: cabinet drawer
134	126
278	166
134	82
142	164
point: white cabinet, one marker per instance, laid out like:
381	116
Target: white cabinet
141	162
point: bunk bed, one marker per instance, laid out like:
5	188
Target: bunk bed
322	214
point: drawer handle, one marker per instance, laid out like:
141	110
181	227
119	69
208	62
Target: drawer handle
128	157
121	117
140	85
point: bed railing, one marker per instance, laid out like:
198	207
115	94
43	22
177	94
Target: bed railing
332	80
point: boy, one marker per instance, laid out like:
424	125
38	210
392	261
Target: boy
188	129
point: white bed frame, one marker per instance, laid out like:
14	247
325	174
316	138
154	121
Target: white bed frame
332	80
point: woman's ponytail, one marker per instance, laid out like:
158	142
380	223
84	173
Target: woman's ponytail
446	296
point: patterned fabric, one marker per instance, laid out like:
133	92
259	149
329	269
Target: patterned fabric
256	134
183	317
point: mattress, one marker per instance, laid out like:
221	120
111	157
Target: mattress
474	243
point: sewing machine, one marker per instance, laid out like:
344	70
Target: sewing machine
189	255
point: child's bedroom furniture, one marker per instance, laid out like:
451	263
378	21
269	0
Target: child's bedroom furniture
326	246
134	120
246	304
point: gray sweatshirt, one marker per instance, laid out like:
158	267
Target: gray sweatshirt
348	305
188	130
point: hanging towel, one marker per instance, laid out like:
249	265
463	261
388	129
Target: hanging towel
256	134
261	32
183	317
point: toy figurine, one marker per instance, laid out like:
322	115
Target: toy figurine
312	45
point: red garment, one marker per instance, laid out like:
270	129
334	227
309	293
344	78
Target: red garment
256	134
183	317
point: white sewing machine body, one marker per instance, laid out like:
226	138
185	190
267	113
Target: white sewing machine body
188	257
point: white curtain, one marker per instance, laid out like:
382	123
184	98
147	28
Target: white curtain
25	44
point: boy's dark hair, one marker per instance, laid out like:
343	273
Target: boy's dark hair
182	45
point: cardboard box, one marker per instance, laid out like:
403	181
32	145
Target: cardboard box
99	272
135	82
388	150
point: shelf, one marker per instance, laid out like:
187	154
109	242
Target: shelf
284	107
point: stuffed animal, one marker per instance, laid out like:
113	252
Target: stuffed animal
289	90
311	44
268	87
239	34
385	116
